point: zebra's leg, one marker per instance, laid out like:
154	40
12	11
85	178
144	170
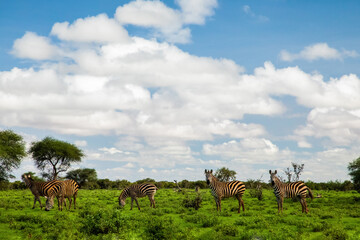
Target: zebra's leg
75	200
63	201
70	200
239	200
37	198
279	202
304	205
132	202
242	204
219	201
137	203
150	199
34	202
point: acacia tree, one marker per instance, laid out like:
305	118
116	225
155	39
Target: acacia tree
53	156
12	151
354	168
224	174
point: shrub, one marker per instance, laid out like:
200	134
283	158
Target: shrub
227	229
103	221
192	203
203	219
337	233
163	228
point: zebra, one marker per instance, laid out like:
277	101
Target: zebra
70	189
289	190
138	190
225	189
42	189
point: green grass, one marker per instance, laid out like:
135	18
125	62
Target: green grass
334	216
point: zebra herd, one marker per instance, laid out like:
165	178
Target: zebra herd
52	189
69	188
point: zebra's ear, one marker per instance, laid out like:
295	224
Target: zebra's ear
270	171
211	171
275	171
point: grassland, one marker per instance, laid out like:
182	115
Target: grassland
334	216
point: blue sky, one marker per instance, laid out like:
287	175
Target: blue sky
166	89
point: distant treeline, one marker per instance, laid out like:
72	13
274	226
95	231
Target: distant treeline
121	184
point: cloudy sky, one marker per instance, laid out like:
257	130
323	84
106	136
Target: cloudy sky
166	89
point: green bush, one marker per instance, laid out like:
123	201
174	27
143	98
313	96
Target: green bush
192	203
227	229
103	221
157	228
337	233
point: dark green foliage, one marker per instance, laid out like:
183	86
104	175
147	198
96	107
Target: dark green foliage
192	202
12	151
337	233
227	230
83	176
354	172
225	175
104	221
146	180
203	220
255	189
18	185
157	228
54	156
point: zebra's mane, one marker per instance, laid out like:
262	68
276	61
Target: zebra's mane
277	181
125	193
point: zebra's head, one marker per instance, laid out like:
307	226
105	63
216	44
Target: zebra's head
209	176
273	177
122	202
49	203
27	178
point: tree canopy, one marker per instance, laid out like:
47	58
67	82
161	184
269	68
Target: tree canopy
354	172
53	156
224	174
12	151
82	176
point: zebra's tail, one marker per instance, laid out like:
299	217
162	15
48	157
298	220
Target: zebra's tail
310	193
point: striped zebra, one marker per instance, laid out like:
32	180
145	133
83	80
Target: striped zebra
225	189
42	189
70	189
137	191
289	190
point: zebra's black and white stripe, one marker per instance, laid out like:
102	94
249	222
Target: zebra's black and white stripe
289	190
137	191
69	189
225	189
42	189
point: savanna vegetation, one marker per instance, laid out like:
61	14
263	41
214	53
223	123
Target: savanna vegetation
182	214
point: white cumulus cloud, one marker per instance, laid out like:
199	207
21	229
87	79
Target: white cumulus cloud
168	23
317	51
35	47
91	29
